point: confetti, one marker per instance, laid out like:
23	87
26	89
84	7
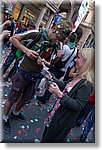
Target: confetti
36	120
31	121
22	127
36	103
68	140
75	138
23	130
37	130
2	106
19	131
22	110
15	137
71	134
3	102
28	127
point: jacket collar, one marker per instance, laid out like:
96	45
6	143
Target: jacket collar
77	86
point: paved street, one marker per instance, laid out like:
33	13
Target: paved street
33	127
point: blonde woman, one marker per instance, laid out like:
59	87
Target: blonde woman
71	100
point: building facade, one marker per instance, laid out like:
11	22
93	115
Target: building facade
43	13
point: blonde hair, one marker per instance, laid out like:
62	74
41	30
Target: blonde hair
87	71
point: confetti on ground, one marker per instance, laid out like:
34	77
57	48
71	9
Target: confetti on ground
36	120
75	138
28	126
31	121
19	131
37	130
68	140
15	137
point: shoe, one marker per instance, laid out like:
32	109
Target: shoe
41	99
83	137
37	141
18	117
6	126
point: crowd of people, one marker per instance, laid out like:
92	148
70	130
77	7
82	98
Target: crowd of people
49	55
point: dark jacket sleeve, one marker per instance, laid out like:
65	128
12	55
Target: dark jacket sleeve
61	84
80	99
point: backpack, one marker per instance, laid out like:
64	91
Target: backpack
60	64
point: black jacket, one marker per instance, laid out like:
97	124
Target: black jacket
65	116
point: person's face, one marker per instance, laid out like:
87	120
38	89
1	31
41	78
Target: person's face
80	61
31	28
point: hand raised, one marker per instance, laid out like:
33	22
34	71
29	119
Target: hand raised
53	88
6	33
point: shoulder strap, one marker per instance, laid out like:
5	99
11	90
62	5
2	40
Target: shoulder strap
44	33
69	56
36	39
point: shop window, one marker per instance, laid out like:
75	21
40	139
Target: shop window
28	16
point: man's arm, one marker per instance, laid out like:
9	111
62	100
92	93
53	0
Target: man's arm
16	41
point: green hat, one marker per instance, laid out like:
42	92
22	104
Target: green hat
63	30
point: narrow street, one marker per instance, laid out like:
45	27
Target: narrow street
33	127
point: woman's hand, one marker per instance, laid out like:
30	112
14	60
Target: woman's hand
54	89
48	75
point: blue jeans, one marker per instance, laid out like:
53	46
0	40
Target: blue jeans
89	122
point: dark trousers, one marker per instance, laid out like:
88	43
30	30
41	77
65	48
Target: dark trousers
8	61
14	68
83	114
